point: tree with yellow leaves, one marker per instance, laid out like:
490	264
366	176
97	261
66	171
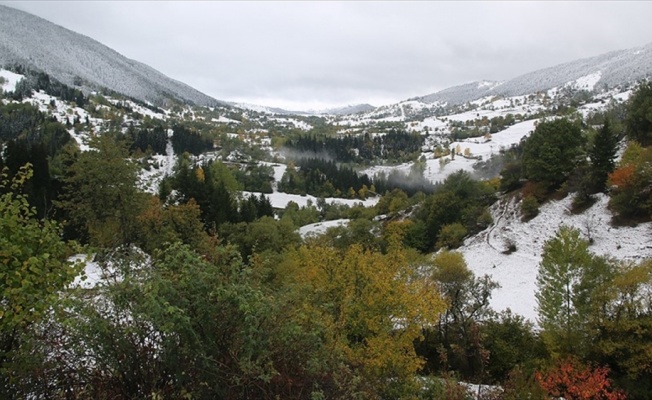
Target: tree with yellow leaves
374	307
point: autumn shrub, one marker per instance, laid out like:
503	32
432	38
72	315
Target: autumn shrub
534	189
571	380
631	192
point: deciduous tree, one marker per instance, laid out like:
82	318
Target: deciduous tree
33	269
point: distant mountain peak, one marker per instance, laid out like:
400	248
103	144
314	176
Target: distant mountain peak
71	58
594	73
347	110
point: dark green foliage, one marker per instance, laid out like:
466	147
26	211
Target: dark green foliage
41	189
623	344
255	178
17	119
188	140
148	138
394	146
32	138
35	81
639	115
552	151
24	88
511	342
460	199
511	175
214	188
322	178
252	208
603	155
416	236
180	326
411	183
301	216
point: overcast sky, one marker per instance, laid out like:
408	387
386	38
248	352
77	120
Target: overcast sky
302	55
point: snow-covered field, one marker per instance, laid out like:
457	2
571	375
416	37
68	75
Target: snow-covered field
434	172
11	79
281	200
319	228
517	272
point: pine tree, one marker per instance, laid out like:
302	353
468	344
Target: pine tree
603	154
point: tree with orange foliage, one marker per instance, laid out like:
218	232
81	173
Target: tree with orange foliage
571	380
631	183
622	177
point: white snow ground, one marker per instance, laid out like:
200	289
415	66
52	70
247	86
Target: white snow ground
517	272
11	79
478	147
319	228
281	200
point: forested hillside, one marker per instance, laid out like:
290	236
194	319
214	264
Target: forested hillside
165	252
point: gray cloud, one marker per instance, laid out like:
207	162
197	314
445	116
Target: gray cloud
310	54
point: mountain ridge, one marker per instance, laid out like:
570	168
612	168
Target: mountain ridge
80	61
615	68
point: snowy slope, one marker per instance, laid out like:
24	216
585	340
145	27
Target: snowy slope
73	58
479	147
517	272
461	93
11	79
594	73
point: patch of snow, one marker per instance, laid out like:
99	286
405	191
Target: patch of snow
587	82
434	172
320	228
517	272
92	275
281	200
80	138
11	79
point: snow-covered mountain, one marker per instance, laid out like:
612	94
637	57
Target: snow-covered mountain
599	73
268	110
346	110
460	94
80	61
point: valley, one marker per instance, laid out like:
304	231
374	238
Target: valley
160	243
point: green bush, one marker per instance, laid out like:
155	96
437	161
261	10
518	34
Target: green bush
485	219
529	208
451	235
